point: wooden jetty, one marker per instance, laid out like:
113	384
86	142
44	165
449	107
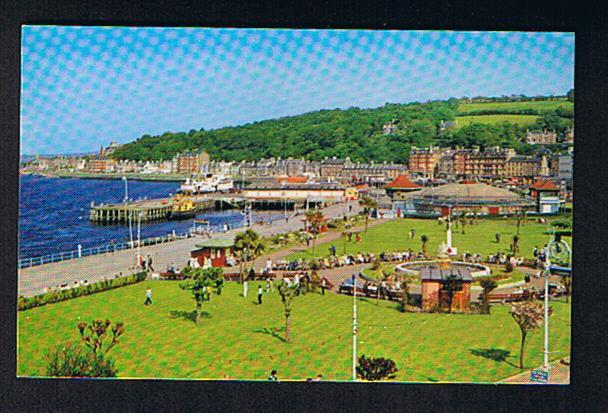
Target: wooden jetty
156	209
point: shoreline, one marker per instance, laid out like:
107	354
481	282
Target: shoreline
109	176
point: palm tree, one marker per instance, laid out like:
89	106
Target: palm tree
488	285
248	246
451	284
515	245
405	290
368	203
425	240
316	220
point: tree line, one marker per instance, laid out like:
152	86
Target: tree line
354	132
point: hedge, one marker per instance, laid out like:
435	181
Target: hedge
61	295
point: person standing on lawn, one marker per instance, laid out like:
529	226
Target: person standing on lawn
260	293
273	376
148	297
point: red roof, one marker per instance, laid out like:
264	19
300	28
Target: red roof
402	182
544	185
293	179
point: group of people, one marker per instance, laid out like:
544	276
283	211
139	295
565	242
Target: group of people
330	262
146	263
65	286
274	376
500	258
401	255
387	289
474	258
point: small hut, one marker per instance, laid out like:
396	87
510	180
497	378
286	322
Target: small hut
214	252
438	279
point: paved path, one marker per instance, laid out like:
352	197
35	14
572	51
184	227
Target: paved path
260	262
559	373
92	268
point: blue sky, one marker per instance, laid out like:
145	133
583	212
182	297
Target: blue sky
86	86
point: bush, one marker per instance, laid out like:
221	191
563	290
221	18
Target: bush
24	303
373	369
72	360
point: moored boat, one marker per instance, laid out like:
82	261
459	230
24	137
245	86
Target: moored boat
183	208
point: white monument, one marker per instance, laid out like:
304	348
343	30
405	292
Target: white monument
447	246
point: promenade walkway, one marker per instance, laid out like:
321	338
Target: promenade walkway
33	280
559	373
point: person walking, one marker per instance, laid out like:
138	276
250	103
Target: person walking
148	297
260	293
323	286
150	268
245	288
268	285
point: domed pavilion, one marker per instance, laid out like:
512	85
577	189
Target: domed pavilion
468	197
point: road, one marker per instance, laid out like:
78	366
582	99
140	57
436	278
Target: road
33	280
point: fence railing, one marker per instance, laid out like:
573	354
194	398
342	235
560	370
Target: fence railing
93	251
110	248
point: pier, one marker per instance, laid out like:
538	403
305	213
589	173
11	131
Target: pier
157	209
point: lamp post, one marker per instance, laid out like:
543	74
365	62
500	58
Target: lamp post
547	275
139	238
354	327
124	178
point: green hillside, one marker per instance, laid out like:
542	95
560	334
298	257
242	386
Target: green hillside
353	132
358	133
519	119
516	107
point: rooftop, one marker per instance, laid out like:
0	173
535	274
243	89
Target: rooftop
434	272
402	182
217	242
544	185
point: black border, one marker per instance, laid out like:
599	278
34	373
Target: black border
587	391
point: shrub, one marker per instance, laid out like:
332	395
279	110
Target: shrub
72	360
373	369
58	296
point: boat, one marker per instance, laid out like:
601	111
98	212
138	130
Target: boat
208	184
183	208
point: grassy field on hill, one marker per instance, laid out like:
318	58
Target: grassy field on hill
238	339
519	119
463	108
479	238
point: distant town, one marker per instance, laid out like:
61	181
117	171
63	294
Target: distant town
337	178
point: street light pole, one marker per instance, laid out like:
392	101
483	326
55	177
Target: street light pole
354	328
139	238
124	178
547	275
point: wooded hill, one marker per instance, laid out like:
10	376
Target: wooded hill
354	132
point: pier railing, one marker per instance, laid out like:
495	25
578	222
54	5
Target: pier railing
110	248
93	251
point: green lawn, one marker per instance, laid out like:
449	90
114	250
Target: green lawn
479	238
515	105
241	340
522	120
